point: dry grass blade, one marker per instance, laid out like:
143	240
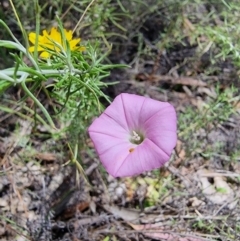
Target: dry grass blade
158	232
176	81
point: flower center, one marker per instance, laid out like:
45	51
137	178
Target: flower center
136	138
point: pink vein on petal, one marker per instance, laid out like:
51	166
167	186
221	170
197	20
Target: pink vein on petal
116	112
158	147
149	159
132	105
124	110
116	121
139	117
103	143
114	157
156	113
102	133
108	126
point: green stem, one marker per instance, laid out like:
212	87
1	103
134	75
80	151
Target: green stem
37	10
23	70
38	104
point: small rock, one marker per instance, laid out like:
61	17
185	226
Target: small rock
3	203
119	191
195	202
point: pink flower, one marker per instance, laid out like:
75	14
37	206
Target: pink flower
134	134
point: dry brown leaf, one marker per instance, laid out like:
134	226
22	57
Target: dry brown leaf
157	232
46	156
130	189
188	25
89	220
208	91
181	80
180	153
70	211
125	214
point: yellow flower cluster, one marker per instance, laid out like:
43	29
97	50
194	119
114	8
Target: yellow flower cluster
47	40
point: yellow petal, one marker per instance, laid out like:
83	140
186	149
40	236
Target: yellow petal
31	49
44	55
47	45
80	48
53	31
74	42
68	34
32	37
55	36
45	33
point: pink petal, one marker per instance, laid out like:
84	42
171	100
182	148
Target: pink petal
116	111
161	129
151	107
113	158
103	142
132	105
164	119
166	140
108	126
147	156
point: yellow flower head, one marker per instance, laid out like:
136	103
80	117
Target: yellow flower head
50	41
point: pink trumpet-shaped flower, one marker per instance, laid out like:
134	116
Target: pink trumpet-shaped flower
134	134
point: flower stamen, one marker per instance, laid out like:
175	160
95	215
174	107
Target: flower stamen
136	138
